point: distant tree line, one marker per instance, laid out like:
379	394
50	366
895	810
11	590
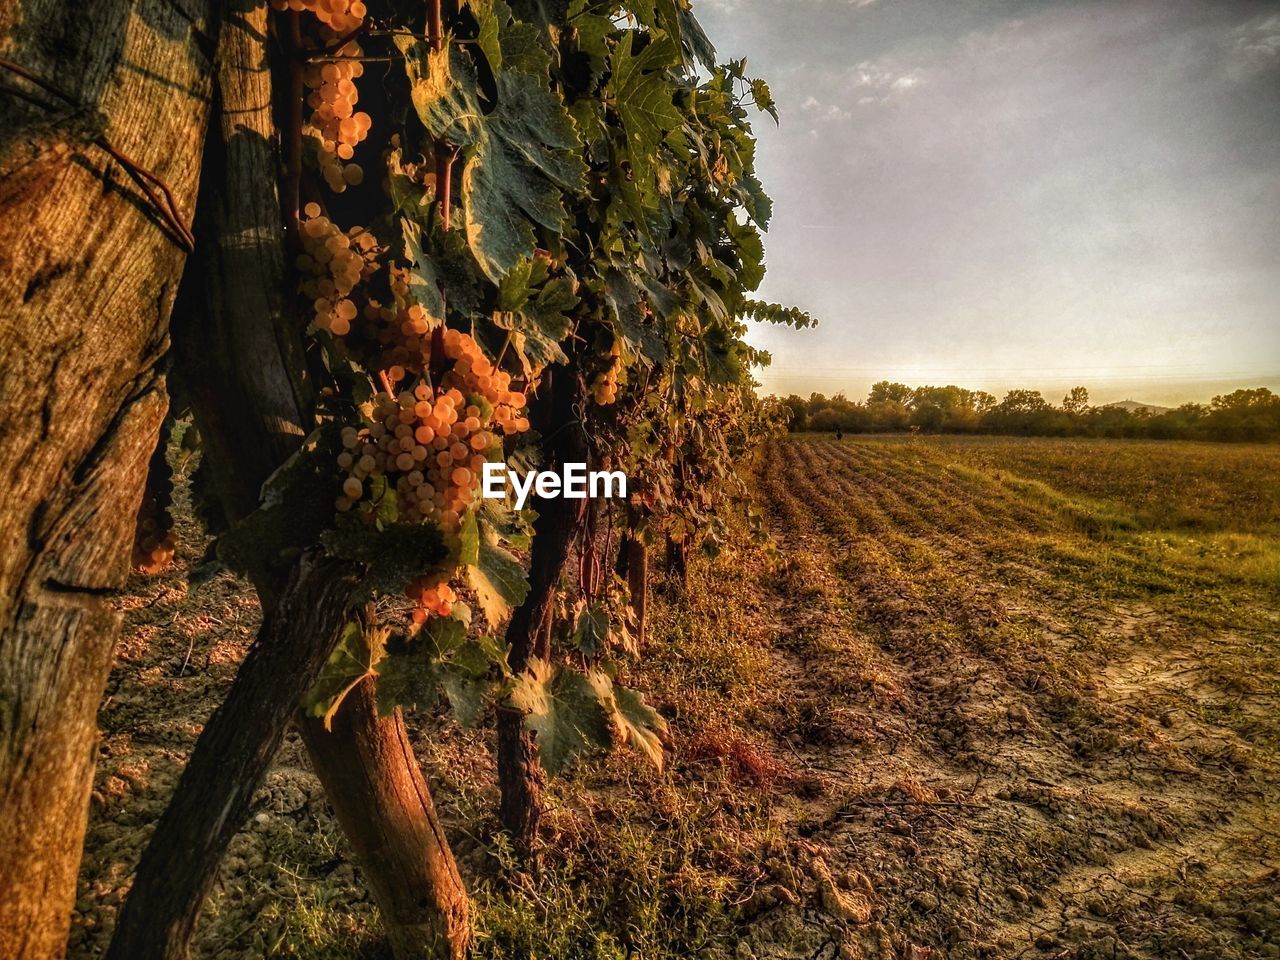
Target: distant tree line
897	408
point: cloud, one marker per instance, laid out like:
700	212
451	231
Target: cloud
877	81
1254	48
1073	179
824	112
718	6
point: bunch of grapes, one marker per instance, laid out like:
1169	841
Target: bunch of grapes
401	330
431	594
604	389
340	16
471	373
431	445
333	263
335	127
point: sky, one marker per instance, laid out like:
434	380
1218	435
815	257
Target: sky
1029	193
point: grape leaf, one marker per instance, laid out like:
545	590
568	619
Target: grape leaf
407	677
642	95
750	249
567	710
763	98
356	656
424	283
764	312
441	659
465	694
498	580
537	329
638	723
469	539
591	634
297	505
392	556
695	39
520	158
628	314
519	172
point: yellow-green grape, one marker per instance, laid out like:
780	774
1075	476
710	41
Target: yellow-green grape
332	265
431	443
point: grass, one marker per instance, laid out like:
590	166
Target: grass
979	694
1178	485
637	882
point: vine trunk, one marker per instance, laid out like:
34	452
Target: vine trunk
558	526
243	367
88	269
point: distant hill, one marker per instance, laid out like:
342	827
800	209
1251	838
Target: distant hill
1133	406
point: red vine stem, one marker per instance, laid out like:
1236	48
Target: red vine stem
444	179
444	170
140	175
435	25
444	153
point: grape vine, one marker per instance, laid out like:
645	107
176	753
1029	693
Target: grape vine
564	204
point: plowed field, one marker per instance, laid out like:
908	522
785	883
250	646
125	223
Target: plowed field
963	697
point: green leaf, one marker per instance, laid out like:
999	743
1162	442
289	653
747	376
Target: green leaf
695	39
569	711
523	50
514	288
386	504
659	297
628	314
472	658
469	539
776	313
763	98
750	249
407	678
508	526
749	192
487	37
424	283
443	636
538	328
498	580
442	659
519	159
408	195
297	505
517	173
591	634
391	556
721	353
638	723
465	694
446	109
643	98
356	656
